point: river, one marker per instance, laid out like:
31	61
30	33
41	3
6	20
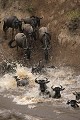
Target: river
25	103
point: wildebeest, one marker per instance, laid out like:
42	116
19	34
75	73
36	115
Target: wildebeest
22	82
57	91
29	32
45	38
12	22
34	21
77	94
22	42
73	103
37	69
42	84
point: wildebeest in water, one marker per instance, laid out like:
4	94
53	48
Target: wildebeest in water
77	94
43	86
73	103
21	82
37	69
57	91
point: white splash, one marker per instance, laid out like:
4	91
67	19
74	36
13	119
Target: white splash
30	94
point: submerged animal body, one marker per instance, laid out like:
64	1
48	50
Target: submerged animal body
73	103
21	82
37	69
42	84
77	94
57	91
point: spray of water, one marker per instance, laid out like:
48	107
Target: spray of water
30	94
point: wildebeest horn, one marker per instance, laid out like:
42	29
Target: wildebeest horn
75	93
61	86
52	86
46	78
15	76
78	101
36	79
68	102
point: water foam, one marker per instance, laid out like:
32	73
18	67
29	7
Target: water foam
30	94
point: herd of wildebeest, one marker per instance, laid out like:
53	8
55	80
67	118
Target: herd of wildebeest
29	31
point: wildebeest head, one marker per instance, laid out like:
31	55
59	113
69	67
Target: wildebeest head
57	91
58	88
42	81
37	19
42	84
17	24
73	103
16	77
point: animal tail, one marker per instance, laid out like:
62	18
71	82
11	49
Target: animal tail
10	44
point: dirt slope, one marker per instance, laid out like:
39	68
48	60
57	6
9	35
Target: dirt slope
55	13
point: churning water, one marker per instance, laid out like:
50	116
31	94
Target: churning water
64	76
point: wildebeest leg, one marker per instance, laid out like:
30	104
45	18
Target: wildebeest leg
5	29
46	55
5	35
12	33
17	46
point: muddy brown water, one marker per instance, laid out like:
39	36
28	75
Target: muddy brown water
25	103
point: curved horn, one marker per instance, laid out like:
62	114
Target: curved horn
75	93
52	86
68	102
36	79
46	79
61	86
